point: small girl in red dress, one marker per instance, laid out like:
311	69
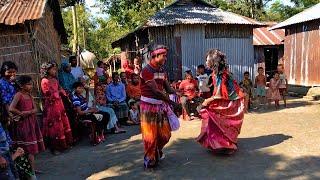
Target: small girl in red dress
56	126
25	130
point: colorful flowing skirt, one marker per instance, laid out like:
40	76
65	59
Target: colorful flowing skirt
156	132
221	125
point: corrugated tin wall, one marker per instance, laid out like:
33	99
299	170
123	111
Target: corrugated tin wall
165	36
259	57
239	51
302	54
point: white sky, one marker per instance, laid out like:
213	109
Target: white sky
94	10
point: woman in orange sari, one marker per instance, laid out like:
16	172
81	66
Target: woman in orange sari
224	111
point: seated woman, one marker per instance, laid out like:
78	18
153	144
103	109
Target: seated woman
99	119
116	96
224	111
101	103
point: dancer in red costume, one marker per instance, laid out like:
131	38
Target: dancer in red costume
224	110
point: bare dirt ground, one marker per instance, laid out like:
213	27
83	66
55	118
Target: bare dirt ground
281	144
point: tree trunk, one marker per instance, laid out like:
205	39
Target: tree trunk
75	29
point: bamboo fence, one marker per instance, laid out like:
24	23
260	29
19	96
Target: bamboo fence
29	45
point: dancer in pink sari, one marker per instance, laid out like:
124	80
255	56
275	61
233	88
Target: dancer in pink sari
224	111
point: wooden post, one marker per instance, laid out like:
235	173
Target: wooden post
114	65
75	29
84	37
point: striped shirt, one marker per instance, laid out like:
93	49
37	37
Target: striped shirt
79	101
148	73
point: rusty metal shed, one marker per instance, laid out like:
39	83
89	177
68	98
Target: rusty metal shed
301	47
190	28
268	47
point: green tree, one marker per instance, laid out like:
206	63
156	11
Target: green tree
249	8
97	34
90	36
67	3
131	13
280	12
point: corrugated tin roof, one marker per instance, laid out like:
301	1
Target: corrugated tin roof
195	12
18	11
264	36
14	12
310	14
192	12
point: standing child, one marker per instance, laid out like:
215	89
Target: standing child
246	85
101	73
175	97
283	87
260	84
56	126
25	128
134	115
203	81
273	93
137	65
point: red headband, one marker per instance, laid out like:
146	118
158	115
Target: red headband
159	51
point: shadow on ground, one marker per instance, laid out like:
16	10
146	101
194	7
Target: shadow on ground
185	159
291	104
84	159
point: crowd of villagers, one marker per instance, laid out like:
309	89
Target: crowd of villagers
71	109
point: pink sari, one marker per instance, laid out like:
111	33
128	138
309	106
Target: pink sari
222	119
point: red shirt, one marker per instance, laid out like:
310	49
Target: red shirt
189	88
133	91
148	73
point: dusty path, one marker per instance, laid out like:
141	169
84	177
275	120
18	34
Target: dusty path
273	145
